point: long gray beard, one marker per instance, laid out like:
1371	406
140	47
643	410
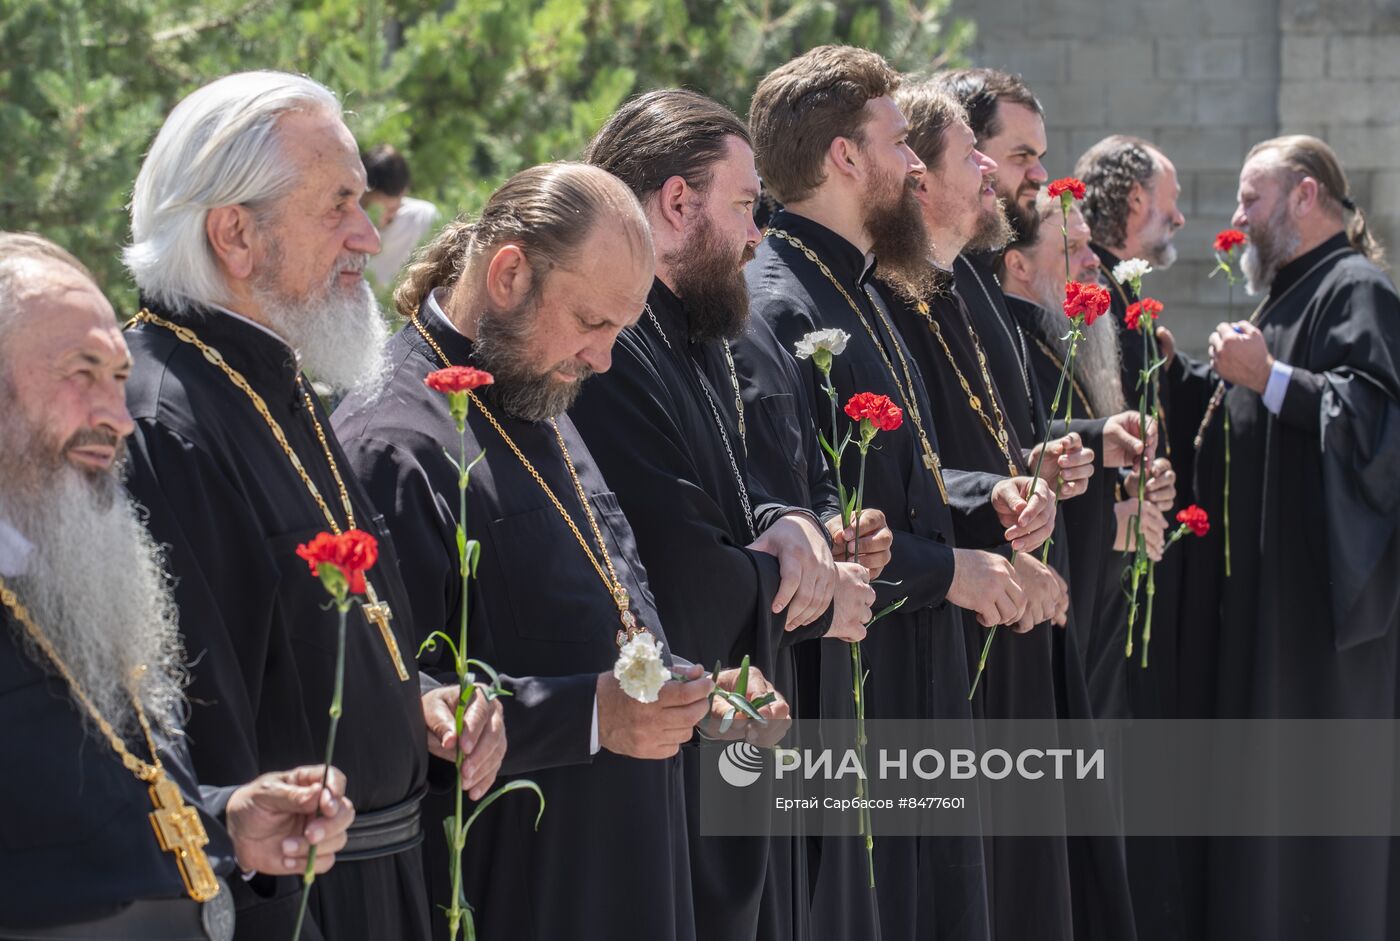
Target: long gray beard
340	334
1097	360
95	585
1269	248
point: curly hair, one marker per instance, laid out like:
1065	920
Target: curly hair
1109	169
802	106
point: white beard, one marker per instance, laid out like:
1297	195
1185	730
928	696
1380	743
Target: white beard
339	333
1097	360
95	585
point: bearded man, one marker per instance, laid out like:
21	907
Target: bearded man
249	245
91	666
1307	621
831	145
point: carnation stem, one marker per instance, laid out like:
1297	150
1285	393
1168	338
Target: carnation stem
858	688
455	911
309	876
1227	449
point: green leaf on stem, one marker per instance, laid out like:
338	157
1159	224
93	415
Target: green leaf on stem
519	784
473	552
741	686
887	609
430	644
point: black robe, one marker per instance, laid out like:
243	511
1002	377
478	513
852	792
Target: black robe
228	505
76	842
787	461
551	638
1308	621
1029	884
652	430
927	887
1178	683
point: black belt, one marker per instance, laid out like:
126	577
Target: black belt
145	920
386	832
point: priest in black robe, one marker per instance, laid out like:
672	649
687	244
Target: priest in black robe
655	143
611	848
235	462
1308	617
813	272
689	491
91	658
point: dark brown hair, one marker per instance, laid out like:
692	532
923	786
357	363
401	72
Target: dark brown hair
1108	170
549	211
662	134
801	107
386	170
930	110
1299	156
981	90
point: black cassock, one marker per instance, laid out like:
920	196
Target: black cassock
927	887
76	842
1308	619
1029	881
1179	682
653	424
227	503
787	462
609	858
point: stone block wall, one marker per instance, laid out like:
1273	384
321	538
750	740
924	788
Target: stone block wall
1206	80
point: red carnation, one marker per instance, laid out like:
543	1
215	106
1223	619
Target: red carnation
1228	240
1087	300
1069	185
882	413
353	553
1149	306
1195	519
458	379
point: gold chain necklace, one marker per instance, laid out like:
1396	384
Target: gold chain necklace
998	430
376	612
177	825
719	422
613	584
1059	365
907	392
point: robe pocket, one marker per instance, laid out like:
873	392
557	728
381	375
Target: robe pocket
777	416
551	588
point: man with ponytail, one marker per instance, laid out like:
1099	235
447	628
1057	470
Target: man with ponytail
1308	618
535	291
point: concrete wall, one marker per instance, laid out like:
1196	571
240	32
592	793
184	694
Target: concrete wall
1205	80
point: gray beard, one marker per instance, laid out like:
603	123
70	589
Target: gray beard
1097	360
1159	249
1269	248
339	333
95	584
503	341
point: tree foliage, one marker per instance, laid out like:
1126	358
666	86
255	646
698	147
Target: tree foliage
470	90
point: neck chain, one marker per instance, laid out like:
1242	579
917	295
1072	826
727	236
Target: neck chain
907	391
613	584
177	825
376	612
718	420
1019	340
997	430
1266	307
1073	381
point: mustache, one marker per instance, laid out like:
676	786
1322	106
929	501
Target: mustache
352	261
93	436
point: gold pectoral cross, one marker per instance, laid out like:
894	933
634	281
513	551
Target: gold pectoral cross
936	468
180	831
379	615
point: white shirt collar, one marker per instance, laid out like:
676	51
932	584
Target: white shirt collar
263	327
436	308
15	551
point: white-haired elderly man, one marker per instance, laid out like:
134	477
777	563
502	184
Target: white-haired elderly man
248	247
106	833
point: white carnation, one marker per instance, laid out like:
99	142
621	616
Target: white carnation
1133	270
639	669
832	341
